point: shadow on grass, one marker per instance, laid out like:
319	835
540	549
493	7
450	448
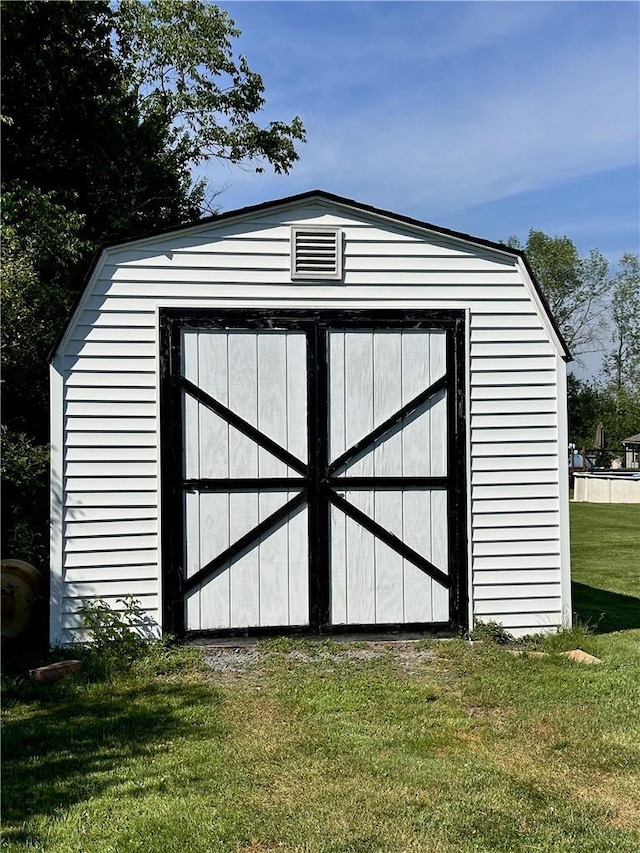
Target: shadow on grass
605	611
65	752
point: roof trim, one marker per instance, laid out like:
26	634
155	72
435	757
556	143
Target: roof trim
319	195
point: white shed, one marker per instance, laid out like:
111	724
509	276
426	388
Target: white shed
311	415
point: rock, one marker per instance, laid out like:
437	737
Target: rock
55	671
581	657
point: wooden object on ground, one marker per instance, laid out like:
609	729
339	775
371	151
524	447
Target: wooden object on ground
55	672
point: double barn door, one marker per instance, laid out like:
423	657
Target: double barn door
313	470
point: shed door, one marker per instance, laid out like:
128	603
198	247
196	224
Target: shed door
388	476
244	454
321	468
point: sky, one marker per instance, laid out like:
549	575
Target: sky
490	118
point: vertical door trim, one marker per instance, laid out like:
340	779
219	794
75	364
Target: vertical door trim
317	417
171	467
457	470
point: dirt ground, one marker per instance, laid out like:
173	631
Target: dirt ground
233	658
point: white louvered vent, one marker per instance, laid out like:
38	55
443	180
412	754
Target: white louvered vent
316	252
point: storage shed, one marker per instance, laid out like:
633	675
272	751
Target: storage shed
311	415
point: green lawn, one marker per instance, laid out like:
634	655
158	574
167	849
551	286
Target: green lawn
605	564
332	748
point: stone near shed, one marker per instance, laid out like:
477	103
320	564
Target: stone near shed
581	657
54	672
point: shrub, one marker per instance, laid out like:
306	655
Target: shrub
492	632
25	509
115	638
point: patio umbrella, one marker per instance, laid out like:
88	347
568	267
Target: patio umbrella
600	446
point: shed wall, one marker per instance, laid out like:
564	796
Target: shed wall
108	401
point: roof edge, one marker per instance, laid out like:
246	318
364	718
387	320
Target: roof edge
566	352
321	195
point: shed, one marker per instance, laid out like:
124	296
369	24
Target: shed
311	415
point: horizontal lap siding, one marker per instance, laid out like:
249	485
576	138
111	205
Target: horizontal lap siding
515	491
111	456
111	463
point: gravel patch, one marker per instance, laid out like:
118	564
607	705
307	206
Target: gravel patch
230	659
234	661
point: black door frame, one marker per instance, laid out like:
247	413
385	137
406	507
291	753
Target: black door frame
316	481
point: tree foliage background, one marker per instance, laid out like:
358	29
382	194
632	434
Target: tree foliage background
105	112
597	313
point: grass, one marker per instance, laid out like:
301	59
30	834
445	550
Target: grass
605	562
336	748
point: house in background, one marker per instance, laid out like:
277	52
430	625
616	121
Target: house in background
311	415
631	447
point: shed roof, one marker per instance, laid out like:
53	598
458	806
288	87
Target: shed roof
331	198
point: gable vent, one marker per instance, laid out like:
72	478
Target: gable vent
316	252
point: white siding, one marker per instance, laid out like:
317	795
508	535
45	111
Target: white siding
109	363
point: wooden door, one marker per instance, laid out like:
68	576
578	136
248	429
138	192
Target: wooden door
388	475
244	454
319	478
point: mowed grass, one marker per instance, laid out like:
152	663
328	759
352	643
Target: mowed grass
340	748
605	564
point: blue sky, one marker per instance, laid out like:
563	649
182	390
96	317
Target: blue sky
486	117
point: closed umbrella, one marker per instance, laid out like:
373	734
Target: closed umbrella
600	444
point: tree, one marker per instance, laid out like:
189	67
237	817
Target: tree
178	60
41	248
622	362
25	503
75	129
592	402
585	403
111	107
574	287
620	414
105	110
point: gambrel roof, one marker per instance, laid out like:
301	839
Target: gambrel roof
352	206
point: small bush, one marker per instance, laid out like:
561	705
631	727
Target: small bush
491	632
116	638
24	468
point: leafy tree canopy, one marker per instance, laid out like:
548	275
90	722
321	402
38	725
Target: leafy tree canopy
177	56
75	129
622	361
41	244
111	107
591	403
575	287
